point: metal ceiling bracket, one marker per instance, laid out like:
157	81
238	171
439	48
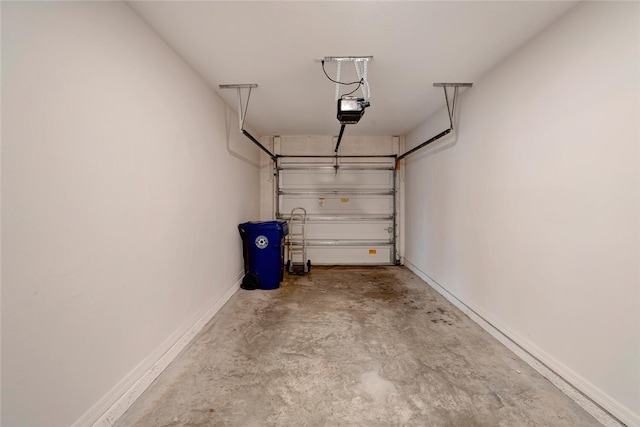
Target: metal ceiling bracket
451	107
242	113
347	58
451	110
360	64
242	110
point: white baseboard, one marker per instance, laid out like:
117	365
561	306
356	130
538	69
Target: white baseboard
599	404
111	407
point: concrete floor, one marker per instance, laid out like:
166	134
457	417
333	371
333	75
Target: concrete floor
349	347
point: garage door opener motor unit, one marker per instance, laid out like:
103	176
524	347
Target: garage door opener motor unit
350	108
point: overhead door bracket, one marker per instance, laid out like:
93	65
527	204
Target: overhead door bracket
242	113
451	110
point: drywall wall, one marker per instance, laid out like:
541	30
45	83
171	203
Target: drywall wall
123	181
530	214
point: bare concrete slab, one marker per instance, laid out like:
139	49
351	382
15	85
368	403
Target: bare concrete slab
349	347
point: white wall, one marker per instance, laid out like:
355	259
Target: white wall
530	215
123	181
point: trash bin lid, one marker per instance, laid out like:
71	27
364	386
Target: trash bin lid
264	225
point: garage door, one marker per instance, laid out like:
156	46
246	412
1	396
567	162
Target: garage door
351	206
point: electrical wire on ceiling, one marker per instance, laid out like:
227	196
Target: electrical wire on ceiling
359	83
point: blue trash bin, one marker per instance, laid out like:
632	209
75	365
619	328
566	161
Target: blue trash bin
263	249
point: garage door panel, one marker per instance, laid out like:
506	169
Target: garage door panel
350	255
351	210
343	162
354	180
334	205
352	230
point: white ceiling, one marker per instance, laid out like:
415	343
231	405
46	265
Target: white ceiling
276	44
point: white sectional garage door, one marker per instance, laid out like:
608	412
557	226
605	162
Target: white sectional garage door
351	208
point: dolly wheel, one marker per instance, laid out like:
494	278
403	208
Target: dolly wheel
308	266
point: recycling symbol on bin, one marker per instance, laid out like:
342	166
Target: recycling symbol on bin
262	242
